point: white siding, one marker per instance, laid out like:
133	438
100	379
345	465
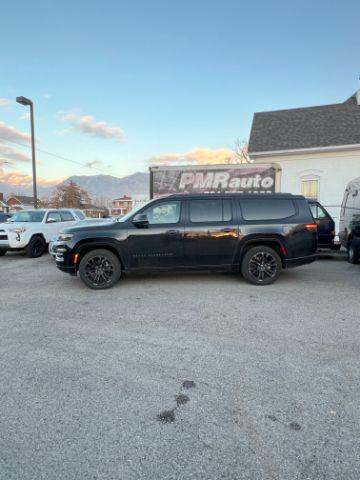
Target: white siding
334	171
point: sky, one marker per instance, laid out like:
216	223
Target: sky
119	85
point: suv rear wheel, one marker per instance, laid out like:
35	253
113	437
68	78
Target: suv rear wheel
100	269
36	247
261	265
353	253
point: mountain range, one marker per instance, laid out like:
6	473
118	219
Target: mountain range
98	186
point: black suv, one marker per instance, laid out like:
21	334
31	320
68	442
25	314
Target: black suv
257	234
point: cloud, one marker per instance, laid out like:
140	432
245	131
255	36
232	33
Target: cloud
18	179
46	182
197	156
166	159
94	163
11	134
9	154
87	124
15	178
4	102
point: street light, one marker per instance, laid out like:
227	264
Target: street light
27	102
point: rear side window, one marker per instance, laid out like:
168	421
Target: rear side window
202	211
267	208
317	211
66	217
53	217
80	214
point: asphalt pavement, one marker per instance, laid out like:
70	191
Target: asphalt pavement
198	376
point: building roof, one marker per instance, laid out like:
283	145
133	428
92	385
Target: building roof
310	127
125	197
23	199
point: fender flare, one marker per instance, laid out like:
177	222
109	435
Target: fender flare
87	245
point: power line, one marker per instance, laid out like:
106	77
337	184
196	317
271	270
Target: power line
55	155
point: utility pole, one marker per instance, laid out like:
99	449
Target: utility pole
27	102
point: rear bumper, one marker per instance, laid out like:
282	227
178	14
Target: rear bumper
296	262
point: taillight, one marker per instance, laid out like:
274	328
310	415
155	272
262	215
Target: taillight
311	226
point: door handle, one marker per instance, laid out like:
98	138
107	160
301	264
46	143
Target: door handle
228	230
172	232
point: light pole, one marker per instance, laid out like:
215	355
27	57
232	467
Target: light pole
27	102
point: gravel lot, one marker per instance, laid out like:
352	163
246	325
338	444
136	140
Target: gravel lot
91	383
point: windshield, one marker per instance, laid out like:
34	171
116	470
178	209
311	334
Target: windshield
126	217
28	216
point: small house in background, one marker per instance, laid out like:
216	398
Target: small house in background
91	211
21	202
121	206
317	148
4	207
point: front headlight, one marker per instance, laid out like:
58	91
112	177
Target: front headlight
65	237
17	230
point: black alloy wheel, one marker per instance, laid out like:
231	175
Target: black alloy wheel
100	269
261	265
36	247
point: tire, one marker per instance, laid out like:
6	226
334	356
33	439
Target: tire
353	253
36	247
2	252
100	262
261	265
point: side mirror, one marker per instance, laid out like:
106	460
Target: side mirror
140	220
51	220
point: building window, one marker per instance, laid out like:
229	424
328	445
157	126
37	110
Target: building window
310	189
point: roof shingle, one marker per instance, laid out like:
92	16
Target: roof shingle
311	127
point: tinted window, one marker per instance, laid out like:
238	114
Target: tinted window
267	209
165	212
66	217
317	211
314	210
321	213
210	211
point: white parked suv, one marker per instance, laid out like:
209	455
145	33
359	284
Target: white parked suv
31	230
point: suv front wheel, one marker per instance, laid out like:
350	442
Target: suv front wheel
261	265
100	269
36	247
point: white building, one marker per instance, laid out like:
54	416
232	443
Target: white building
318	149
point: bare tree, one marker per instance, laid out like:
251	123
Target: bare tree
241	151
70	196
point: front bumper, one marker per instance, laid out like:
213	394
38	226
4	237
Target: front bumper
70	270
297	262
65	259
12	240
